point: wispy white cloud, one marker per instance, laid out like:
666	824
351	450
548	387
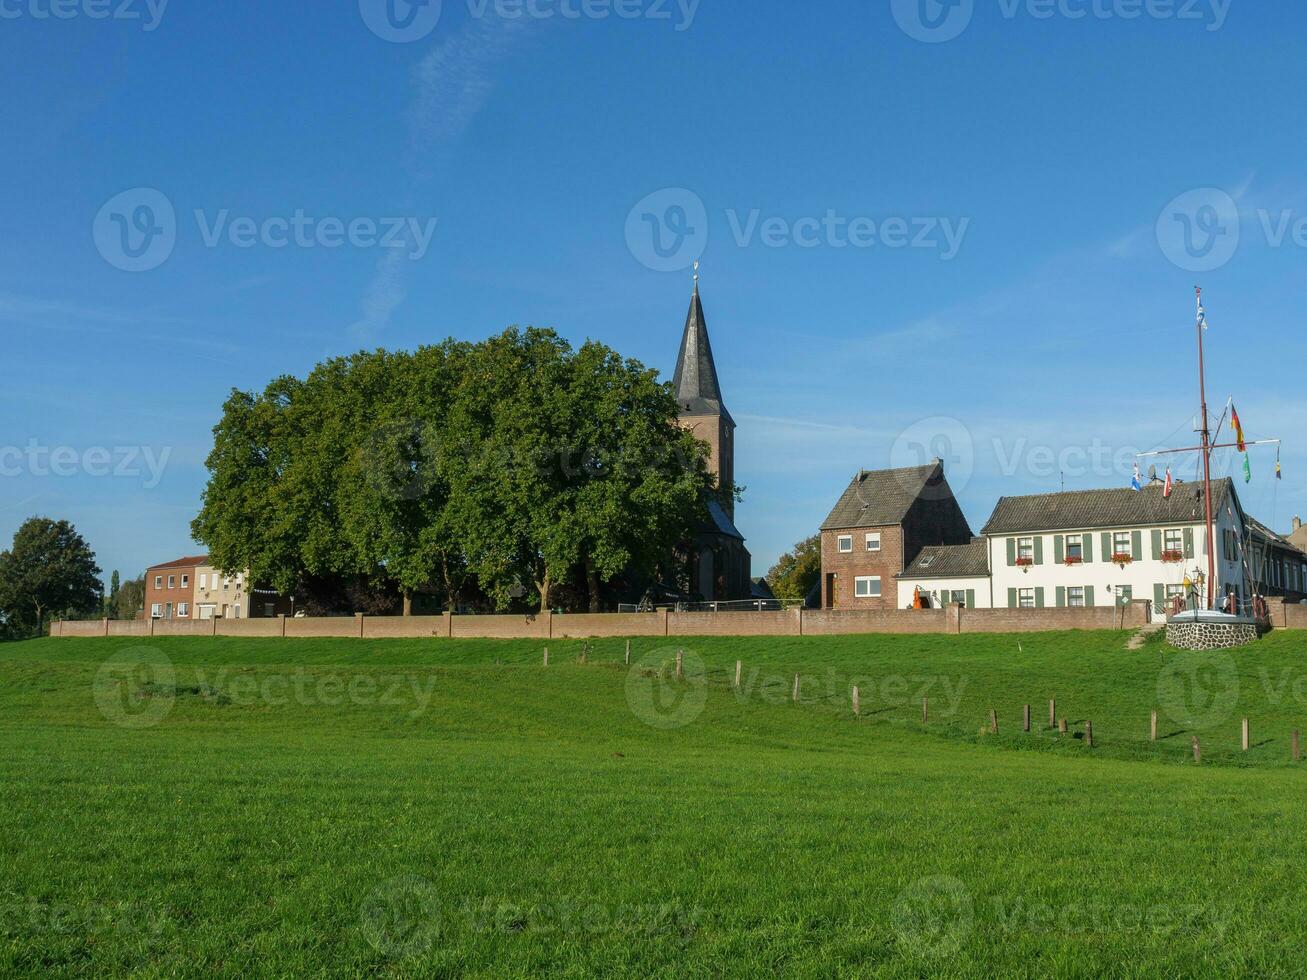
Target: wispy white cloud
450	86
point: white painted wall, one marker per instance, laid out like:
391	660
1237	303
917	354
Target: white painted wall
980	584
1141	576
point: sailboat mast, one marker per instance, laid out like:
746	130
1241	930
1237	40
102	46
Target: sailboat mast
1207	457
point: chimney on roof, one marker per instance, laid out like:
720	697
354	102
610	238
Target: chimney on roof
1297	523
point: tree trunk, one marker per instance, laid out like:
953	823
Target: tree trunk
592	582
408	603
543	588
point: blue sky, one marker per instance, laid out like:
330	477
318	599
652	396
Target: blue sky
1018	293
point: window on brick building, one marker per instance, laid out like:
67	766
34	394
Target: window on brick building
172	581
867	587
156	611
845	543
1026	598
873	541
158	581
186	580
183	609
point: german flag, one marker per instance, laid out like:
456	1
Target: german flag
1238	428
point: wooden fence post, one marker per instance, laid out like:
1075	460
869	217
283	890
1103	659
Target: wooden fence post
1297	755
546	656
1025	718
1245	734
739	667
796	689
680	666
1061	726
1089	733
1198	751
628	653
857	703
925	711
993	722
1154	727
1052	714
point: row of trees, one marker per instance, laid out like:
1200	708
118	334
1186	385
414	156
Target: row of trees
514	470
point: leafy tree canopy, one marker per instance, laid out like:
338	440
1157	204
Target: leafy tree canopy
502	468
50	571
797	571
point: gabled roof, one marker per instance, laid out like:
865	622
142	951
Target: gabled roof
721	521
192	562
880	497
1088	509
697	390
1261	530
950	561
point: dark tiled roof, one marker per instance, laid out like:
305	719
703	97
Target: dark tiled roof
879	497
721	521
697	390
1260	529
950	561
192	562
1086	509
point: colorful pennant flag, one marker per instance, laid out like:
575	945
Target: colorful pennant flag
1247	469
1278	475
1135	483
1238	429
1169	485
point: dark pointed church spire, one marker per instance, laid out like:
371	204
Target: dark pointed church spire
696	385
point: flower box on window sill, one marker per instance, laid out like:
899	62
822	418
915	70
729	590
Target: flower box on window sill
1122	559
1073	560
1173	557
1025	563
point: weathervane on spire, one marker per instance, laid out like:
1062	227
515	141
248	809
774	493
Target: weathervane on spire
696	273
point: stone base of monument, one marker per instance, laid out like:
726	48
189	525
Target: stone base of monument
1205	630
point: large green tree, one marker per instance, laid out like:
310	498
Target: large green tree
49	571
504	467
797	571
129	601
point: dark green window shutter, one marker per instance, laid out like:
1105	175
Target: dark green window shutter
1188	542
1087	547
1012	598
1137	545
1011	551
1159	597
1039	598
1059	550
1157	545
1039	550
971	598
1061	596
1107	546
1089	595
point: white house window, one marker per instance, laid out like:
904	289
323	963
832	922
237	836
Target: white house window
845	544
1026	598
1121	543
1172	591
873	541
172	581
158	581
156	611
1075	596
186	580
226	583
867	587
204	580
1075	547
236	611
1026	548
183	609
1174	540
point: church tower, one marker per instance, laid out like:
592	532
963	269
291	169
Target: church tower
719	563
699	394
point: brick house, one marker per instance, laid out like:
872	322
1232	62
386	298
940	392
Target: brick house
881	523
170	588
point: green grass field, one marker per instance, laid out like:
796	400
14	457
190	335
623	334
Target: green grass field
447	808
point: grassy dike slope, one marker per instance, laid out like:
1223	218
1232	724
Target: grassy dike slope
438	807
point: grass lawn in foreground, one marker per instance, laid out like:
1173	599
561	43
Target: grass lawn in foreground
450	807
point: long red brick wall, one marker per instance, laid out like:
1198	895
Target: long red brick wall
791	622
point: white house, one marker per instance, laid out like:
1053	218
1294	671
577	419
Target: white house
945	574
1102	547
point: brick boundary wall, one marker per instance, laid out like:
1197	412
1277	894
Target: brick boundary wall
790	622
